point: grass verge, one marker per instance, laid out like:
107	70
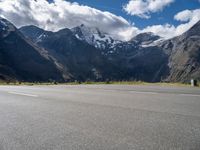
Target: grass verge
97	83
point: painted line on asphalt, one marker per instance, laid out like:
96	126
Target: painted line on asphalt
23	94
189	95
138	92
156	93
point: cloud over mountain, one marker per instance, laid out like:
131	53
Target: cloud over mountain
61	14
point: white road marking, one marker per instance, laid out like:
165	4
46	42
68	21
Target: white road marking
154	93
138	92
23	94
189	95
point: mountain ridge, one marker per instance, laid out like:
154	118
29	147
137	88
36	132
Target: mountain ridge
82	54
21	59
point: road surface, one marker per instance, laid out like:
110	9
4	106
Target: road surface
99	117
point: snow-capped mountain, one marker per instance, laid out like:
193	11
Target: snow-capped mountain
89	54
107	44
94	36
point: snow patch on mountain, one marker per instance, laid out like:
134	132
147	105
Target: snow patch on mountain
41	37
106	43
94	36
152	43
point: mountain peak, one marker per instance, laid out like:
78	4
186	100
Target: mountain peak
146	36
194	30
32	27
6	27
3	22
146	39
92	36
87	29
35	33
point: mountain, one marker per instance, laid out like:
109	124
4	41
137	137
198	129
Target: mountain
34	33
21	60
75	49
87	53
138	62
94	36
82	60
184	55
146	39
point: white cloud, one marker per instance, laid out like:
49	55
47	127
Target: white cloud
64	14
184	15
143	8
190	17
61	14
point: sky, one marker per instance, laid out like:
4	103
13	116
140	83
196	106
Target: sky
122	19
160	17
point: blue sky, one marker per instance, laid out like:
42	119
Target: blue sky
161	17
121	19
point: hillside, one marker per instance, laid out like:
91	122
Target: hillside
21	60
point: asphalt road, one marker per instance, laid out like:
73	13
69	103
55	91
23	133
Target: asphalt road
99	117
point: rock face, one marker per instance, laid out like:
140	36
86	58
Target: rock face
21	60
84	53
184	55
